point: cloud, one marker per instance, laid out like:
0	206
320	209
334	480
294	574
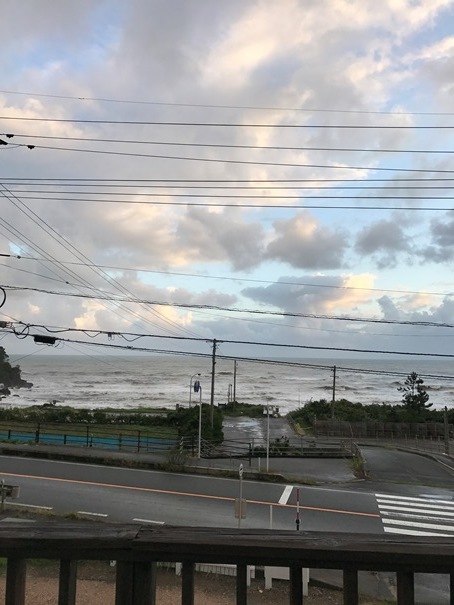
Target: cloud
312	63
303	243
221	236
314	293
385	240
441	248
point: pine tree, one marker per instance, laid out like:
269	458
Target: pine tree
414	396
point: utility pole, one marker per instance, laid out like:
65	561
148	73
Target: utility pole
234	382
213	366
446	431
334	393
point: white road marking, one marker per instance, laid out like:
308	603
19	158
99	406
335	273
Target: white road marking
411	499
150	521
286	494
415	509
84	512
416	516
385	503
30	505
412	532
416	524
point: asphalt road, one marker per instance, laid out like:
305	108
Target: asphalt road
389	465
119	494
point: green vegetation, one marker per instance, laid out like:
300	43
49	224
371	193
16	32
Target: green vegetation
10	376
57	419
357	412
52	413
186	420
234	408
414	397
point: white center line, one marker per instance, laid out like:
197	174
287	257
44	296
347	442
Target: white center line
286	494
84	512
149	521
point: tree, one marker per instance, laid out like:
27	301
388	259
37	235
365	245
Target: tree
414	396
10	376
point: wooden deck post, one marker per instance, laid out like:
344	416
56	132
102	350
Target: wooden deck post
405	588
241	585
124	583
296	585
350	587
144	591
15	582
187	583
67	582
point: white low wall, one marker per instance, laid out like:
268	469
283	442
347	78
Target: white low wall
225	570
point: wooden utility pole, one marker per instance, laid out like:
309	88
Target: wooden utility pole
213	373
234	382
334	393
446	427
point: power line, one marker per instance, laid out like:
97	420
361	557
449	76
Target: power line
214	204
219	196
241	279
238	342
217	106
237	310
244	162
233	124
117	182
14	187
233	146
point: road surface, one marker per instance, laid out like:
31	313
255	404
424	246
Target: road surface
125	495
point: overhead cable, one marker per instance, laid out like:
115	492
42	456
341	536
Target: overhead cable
234	309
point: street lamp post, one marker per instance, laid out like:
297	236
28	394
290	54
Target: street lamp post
190	387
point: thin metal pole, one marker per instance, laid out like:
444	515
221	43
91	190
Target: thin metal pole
200	425
240	507
267	437
213	366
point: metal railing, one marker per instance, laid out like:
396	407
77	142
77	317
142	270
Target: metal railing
137	550
90	435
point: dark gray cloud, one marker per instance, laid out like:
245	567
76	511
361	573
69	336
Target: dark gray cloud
441	248
384	240
287	295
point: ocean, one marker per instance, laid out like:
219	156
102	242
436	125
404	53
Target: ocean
164	381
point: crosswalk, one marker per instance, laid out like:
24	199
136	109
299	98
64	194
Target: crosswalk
416	516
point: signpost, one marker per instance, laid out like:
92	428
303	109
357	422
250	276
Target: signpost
240	506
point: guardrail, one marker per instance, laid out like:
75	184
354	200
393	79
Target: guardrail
138	549
289	448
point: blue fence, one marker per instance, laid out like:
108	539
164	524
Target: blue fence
137	441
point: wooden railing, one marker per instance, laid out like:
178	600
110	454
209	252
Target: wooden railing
137	550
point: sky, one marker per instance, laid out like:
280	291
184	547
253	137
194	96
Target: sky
257	172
